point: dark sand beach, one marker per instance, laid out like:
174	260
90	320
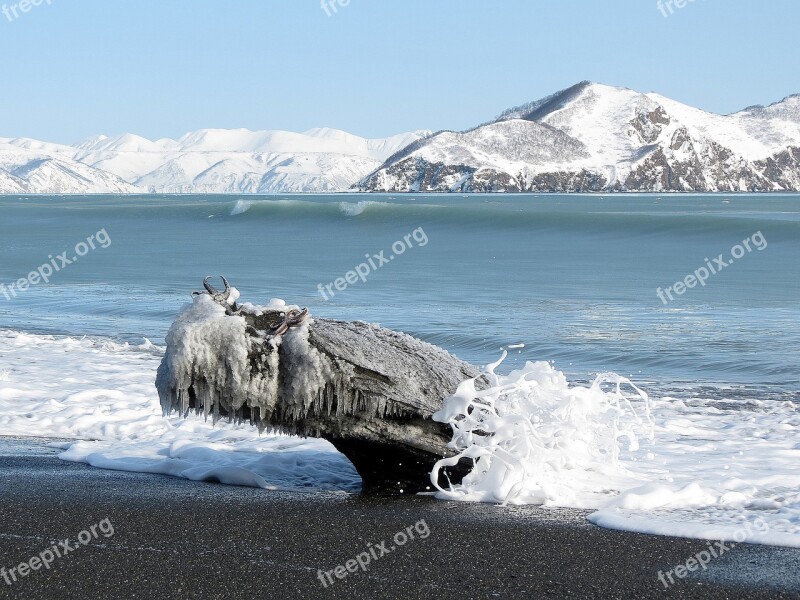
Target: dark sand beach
179	539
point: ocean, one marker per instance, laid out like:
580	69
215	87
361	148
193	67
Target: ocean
693	298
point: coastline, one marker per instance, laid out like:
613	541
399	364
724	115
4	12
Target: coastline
177	538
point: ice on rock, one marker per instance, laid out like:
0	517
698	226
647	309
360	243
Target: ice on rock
214	362
211	352
309	372
369	390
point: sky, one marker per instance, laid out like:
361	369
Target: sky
161	68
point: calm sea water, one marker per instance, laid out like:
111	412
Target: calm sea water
574	278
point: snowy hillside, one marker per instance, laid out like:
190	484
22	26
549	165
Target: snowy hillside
593	137
205	161
589	137
30	167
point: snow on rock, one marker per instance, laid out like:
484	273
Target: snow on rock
211	352
593	137
231	372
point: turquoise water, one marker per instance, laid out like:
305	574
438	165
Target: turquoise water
574	278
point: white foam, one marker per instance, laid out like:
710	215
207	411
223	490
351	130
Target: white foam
538	440
703	469
683	467
103	395
353	209
241	207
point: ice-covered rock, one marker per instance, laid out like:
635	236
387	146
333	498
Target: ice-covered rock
368	390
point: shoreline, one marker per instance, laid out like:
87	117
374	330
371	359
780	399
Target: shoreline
178	538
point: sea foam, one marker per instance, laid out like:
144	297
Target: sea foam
688	466
241	207
684	467
536	439
353	209
101	395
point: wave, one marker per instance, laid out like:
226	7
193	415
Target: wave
328	209
534	214
353	209
241	207
96	389
661	466
668	465
628	215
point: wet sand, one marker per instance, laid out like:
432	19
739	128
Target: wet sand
180	539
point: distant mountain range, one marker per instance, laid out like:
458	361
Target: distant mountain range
589	137
206	161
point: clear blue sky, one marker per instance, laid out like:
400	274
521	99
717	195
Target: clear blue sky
160	68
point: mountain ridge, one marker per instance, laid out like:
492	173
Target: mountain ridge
202	161
613	139
588	137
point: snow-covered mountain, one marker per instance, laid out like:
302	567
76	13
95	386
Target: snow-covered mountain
205	161
593	137
589	137
30	167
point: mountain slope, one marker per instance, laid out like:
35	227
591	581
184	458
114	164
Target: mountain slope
204	161
588	137
243	161
602	138
30	167
491	156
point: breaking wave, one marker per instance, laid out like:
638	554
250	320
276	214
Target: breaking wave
353	209
241	207
515	212
537	440
667	466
